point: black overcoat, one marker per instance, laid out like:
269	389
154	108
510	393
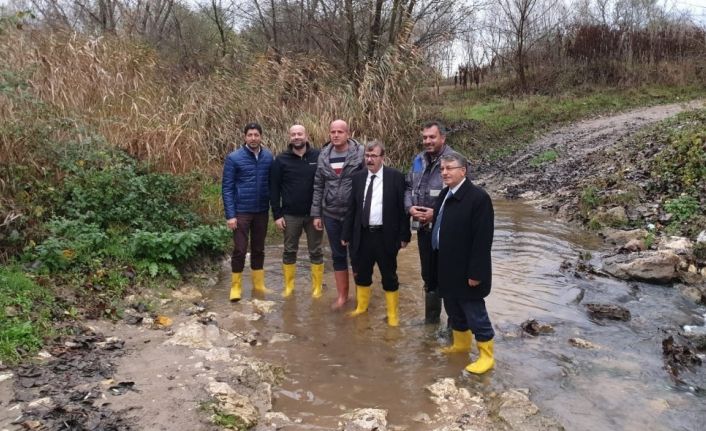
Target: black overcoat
395	220
465	240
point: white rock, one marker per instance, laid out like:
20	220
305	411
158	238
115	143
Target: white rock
365	420
5	376
220	388
702	237
221	354
194	334
281	337
677	244
264	306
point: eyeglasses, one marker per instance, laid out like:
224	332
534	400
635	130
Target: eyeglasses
449	168
372	156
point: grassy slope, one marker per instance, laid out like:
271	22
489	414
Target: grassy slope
492	126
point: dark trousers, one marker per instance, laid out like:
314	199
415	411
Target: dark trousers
372	251
424	246
339	253
251	226
432	302
293	231
465	314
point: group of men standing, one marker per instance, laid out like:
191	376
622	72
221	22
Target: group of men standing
365	208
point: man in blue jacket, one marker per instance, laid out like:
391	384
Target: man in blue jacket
291	193
246	200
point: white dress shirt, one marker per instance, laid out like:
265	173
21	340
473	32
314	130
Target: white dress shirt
376	200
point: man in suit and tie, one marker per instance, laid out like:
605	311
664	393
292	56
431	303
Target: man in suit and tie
461	239
375	228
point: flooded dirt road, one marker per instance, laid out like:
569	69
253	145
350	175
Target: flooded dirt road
336	363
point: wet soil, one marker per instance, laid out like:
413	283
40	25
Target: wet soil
588	373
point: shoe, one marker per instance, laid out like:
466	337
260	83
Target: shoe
289	271
485	361
362	294
235	286
392	300
461	342
317	280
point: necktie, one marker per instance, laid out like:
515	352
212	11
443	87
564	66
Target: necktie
437	223
366	205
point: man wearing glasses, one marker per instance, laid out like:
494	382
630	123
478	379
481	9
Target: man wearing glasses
423	187
375	228
461	239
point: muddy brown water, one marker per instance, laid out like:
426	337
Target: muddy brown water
336	363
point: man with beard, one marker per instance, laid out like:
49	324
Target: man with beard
332	188
291	192
376	226
423	187
246	199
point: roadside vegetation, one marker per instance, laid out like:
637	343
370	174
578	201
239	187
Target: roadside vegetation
116	122
489	125
663	165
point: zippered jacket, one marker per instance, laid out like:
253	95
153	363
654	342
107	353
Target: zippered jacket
332	191
246	182
424	182
292	182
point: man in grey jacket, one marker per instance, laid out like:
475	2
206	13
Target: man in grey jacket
340	158
423	187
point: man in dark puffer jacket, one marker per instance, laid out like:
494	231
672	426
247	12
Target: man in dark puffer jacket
246	200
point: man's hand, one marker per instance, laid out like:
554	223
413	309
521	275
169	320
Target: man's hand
317	223
423	214
344	243
232	223
473	283
403	244
280	223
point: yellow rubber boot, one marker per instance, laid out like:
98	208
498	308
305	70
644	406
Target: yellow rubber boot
258	281
317	279
289	270
235	286
393	299
362	296
485	361
461	342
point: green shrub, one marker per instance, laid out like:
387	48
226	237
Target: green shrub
70	243
589	199
681	165
174	248
547	156
25	315
682	208
124	195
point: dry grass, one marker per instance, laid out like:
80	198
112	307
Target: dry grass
182	123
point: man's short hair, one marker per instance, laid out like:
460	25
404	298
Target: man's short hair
251	126
439	125
455	157
371	145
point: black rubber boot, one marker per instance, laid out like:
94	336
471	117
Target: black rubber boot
432	307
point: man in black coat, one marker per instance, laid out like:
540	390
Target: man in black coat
375	228
291	193
462	236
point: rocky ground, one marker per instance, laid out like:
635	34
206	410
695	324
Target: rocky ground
599	154
186	371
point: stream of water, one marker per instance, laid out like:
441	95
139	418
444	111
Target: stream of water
336	363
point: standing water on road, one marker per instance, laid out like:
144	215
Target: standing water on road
336	363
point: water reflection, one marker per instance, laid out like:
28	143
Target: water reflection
337	363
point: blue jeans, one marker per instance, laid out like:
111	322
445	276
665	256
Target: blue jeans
339	253
465	314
